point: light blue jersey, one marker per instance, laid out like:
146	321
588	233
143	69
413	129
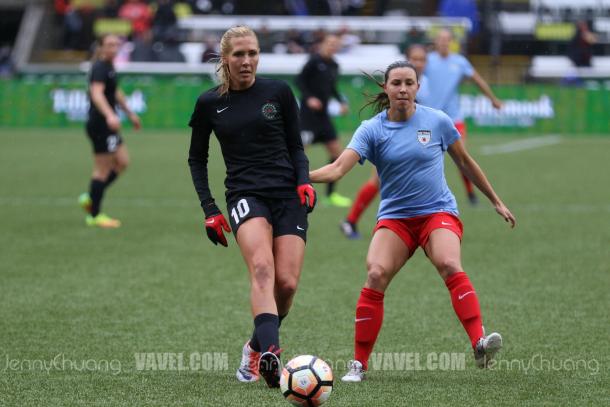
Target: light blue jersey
444	77
409	157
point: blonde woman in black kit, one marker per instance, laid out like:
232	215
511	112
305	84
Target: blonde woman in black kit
110	155
267	189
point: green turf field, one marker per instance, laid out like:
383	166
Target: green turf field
81	307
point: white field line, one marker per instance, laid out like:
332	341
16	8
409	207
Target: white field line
520	145
70	201
60	202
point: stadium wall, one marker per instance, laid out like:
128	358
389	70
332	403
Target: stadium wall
166	102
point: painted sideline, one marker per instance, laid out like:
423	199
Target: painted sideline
520	145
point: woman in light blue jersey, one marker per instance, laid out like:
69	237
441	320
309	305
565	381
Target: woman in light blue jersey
406	142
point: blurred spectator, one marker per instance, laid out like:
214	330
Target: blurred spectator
210	49
164	22
354	7
6	64
412	37
318	7
110	9
73	27
294	42
138	13
296	7
580	48
169	50
348	39
143	48
61	8
266	39
182	9
380	7
461	8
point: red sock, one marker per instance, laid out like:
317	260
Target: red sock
466	305
468	184
367	193
369	316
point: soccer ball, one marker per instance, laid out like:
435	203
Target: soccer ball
306	381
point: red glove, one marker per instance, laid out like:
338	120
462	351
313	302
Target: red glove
308	196
214	226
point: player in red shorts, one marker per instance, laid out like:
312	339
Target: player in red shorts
407	142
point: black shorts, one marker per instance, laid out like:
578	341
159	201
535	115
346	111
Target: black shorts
285	215
103	139
316	127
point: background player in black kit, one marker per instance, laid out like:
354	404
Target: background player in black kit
268	190
110	155
317	82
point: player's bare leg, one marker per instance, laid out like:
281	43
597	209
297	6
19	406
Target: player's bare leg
289	251
443	249
386	256
121	159
255	240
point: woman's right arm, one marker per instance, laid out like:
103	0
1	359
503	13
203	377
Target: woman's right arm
198	164
336	170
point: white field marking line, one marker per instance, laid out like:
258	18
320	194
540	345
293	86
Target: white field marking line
520	145
67	201
42	201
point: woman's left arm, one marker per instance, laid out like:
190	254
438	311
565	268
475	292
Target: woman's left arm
471	169
122	101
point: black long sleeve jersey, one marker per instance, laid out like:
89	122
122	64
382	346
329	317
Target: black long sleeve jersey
318	78
102	71
259	135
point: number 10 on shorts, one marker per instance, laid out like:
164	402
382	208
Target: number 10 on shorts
240	210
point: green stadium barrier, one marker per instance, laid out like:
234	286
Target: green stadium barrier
167	101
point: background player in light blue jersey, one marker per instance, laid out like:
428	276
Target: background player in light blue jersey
407	143
445	71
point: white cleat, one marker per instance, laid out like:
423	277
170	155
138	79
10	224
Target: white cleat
248	368
486	348
355	373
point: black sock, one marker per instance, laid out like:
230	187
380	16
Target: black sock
267	332
96	192
330	187
111	177
254	345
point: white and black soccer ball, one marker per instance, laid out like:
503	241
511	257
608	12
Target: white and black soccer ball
306	381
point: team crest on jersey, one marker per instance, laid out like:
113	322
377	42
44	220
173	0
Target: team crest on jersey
270	111
424	136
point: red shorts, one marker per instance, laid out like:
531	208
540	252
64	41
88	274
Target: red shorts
461	128
416	231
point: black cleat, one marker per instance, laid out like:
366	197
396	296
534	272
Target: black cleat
349	230
270	366
473	199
